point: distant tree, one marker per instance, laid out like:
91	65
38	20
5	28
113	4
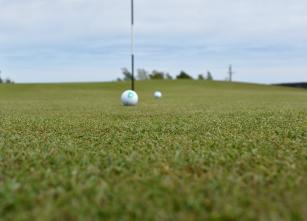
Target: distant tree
201	77
168	76
184	75
5	81
142	74
127	74
9	81
209	76
118	79
157	75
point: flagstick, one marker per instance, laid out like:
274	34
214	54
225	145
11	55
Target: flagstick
132	45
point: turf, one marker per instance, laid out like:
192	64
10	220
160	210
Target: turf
206	151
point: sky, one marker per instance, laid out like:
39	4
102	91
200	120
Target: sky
89	40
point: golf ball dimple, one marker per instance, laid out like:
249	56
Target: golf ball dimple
158	95
129	98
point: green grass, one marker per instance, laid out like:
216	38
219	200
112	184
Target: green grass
206	151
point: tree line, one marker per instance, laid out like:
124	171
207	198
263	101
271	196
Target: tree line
143	74
6	80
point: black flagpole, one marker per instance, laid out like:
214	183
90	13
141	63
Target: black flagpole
132	45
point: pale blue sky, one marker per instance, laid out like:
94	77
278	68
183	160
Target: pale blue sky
88	40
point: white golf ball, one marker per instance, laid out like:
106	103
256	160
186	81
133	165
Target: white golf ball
158	95
130	98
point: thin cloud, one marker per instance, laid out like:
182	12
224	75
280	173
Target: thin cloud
95	34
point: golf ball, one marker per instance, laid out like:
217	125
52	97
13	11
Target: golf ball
130	98
158	95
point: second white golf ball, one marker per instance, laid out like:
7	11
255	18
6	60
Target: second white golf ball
158	95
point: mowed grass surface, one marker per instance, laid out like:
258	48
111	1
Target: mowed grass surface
206	151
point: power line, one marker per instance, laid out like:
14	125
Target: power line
230	72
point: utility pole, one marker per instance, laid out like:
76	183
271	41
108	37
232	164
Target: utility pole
230	72
132	46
